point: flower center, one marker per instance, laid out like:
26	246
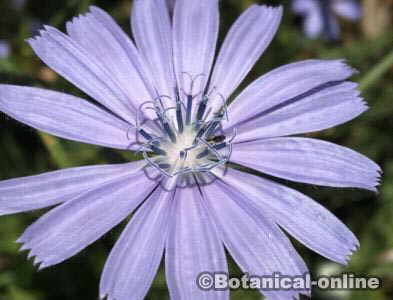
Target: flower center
185	142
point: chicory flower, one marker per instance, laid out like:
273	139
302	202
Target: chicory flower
163	97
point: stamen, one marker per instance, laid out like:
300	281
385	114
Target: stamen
190	96
157	150
213	124
203	154
211	148
169	131
179	114
140	110
159	97
166	128
183	155
154	164
202	107
224	105
189	109
220	146
200	133
164	166
145	134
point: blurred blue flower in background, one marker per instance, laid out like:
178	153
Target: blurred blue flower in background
18	4
4	49
320	16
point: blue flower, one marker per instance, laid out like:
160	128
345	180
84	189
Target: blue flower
162	96
4	49
320	16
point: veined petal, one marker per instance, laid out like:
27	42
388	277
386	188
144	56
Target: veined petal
152	30
257	245
134	260
349	9
35	192
301	97
302	217
99	35
195	31
308	160
65	116
72	226
85	70
193	247
287	82
246	41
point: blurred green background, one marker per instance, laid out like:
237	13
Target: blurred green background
367	45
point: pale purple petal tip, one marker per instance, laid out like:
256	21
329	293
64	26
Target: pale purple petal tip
299	215
310	161
257	244
48	189
102	64
72	226
247	39
297	98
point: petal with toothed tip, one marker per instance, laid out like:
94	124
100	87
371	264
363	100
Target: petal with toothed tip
308	160
299	215
67	229
40	191
245	42
257	244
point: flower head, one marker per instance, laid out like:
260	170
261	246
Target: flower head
320	16
163	97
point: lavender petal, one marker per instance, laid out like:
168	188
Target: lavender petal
302	217
297	98
100	36
193	247
35	192
248	38
195	31
309	160
65	116
257	245
152	30
134	260
67	229
94	72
